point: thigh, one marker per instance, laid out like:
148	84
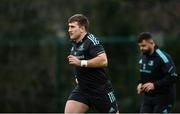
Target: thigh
73	106
77	102
160	108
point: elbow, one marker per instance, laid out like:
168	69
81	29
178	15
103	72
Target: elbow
105	62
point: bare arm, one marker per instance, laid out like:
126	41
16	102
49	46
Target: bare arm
96	62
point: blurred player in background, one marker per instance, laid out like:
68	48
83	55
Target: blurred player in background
94	89
158	76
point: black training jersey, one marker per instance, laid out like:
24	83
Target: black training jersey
88	48
159	69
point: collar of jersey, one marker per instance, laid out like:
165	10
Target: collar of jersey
80	40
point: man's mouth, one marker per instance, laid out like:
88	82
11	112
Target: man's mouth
70	34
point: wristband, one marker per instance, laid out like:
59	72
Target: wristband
83	63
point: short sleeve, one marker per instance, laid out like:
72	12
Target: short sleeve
96	49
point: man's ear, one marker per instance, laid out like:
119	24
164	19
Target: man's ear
82	28
151	42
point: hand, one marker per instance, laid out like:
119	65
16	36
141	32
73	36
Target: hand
148	87
139	88
73	60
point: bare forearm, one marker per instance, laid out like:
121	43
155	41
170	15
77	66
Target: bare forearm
98	62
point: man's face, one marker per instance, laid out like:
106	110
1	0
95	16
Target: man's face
74	30
146	47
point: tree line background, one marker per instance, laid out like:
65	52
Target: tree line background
34	75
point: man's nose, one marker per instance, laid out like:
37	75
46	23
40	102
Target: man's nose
69	30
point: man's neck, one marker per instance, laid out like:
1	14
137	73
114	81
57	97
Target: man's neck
81	37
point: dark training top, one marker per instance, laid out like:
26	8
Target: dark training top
89	78
159	69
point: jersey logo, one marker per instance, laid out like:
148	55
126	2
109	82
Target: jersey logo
144	66
72	49
140	61
81	57
165	111
75	53
144	69
151	63
81	47
111	110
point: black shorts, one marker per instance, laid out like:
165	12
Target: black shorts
102	100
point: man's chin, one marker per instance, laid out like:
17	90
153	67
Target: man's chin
72	38
145	53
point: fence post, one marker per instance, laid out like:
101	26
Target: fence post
58	96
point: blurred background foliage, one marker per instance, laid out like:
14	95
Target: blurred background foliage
35	76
